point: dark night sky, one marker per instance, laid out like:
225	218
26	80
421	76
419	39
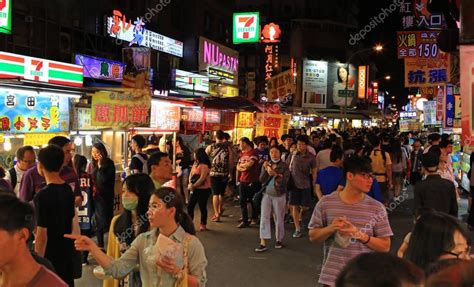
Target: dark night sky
385	33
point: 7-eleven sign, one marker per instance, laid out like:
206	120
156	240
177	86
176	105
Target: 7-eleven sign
246	27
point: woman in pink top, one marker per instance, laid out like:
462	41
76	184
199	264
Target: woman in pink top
200	185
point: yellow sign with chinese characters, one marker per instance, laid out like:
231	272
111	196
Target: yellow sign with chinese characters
271	125
38	139
122	108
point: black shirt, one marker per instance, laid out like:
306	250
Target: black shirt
437	193
136	163
55	210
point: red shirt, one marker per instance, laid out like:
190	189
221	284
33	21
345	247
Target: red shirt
44	277
252	174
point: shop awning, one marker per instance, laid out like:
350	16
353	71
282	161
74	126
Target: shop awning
233	103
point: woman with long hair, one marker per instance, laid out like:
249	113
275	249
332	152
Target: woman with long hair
399	165
273	142
167	218
437	236
200	185
103	175
184	162
133	221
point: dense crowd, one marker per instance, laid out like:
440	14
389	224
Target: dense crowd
335	187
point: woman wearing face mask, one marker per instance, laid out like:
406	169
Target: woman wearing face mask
167	217
274	175
125	227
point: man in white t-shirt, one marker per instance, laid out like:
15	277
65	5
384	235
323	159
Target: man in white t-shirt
26	159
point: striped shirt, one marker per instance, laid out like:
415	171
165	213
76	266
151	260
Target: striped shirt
368	215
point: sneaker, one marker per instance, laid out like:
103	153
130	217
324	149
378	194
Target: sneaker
202	227
254	222
261	248
297	234
278	245
243	225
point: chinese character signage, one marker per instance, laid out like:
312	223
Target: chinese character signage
269	62
37	139
429	112
415	14
246	27
120	27
315	82
196	115
30	112
245	120
189	81
218	60
362	83
101	69
449	114
41	70
122	108
467	96
408	115
440	98
165	117
426	72
422	44
223	90
6	16
409	125
272	125
280	86
271	33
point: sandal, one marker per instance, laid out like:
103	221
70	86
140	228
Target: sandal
215	219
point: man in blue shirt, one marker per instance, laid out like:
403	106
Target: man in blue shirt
330	177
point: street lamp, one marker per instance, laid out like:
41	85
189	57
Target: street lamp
378	48
388	77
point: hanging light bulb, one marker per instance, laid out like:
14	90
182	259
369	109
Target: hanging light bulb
7	145
78	141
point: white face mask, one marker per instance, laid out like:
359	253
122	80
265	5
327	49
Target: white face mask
275	160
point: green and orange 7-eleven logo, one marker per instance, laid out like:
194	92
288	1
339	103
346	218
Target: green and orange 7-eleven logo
246	27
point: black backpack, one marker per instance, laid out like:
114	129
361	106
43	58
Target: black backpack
13	177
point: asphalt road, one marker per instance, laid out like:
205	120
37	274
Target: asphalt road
233	262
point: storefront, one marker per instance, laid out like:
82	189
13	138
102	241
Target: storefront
220	64
35	100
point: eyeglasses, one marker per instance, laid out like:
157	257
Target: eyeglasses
366	175
466	252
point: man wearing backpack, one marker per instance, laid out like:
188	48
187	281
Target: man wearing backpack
138	162
25	159
221	156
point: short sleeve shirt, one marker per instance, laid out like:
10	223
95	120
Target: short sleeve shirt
44	277
329	179
55	210
136	163
368	215
300	168
251	175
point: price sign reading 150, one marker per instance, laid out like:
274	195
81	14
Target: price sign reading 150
428	50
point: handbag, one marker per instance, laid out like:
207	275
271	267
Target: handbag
195	178
183	282
257	197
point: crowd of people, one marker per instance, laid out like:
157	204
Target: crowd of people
336	188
